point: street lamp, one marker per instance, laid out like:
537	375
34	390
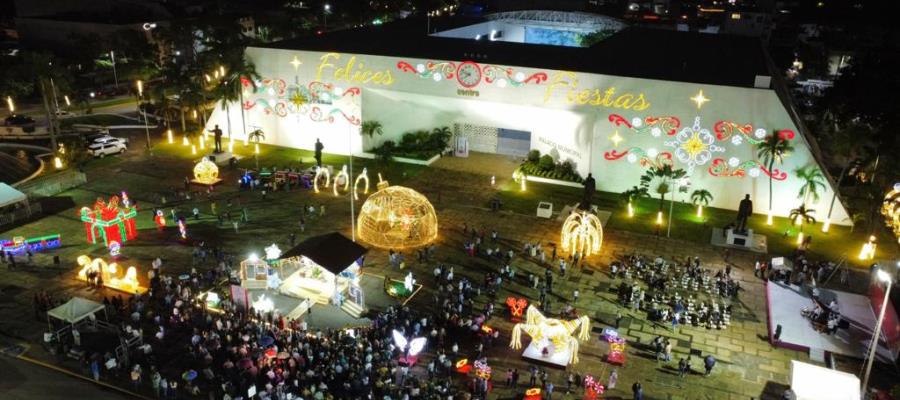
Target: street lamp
140	88
112	58
325	10
885	277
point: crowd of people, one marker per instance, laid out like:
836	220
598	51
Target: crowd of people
676	292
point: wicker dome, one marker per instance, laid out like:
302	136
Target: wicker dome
397	217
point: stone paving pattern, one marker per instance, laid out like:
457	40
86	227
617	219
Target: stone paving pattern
748	367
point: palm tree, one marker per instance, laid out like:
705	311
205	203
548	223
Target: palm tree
230	88
632	194
371	128
256	136
663	175
804	215
701	196
773	150
813	181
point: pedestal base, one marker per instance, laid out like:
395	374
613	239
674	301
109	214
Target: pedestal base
743	239
222	158
213	183
558	359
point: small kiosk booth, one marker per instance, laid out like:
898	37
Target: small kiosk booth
324	269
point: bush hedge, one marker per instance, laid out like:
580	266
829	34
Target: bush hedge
544	166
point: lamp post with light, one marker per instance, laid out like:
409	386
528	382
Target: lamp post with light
885	277
325	10
140	88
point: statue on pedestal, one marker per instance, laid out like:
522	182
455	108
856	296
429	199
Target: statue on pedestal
745	210
590	186
217	134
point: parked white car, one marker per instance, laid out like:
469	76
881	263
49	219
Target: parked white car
107	139
104	149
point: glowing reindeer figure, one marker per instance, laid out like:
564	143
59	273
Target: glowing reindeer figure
545	331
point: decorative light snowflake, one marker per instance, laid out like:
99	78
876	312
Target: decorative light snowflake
694	145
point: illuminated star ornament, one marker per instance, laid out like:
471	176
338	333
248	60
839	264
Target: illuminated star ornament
296	63
700	99
616	138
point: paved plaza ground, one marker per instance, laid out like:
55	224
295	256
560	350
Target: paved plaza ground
748	367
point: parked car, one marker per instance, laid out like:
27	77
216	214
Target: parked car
18	120
104	149
106	139
64	113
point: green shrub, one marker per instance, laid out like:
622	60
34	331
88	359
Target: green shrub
534	156
546	163
385	152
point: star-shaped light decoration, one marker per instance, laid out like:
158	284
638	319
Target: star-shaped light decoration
298	100
616	138
296	63
273	252
700	99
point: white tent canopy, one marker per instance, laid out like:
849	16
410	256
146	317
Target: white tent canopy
9	195
75	310
811	382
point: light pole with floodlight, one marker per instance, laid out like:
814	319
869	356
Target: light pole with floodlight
325	10
140	88
885	277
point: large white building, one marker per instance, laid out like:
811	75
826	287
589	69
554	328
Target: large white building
519	81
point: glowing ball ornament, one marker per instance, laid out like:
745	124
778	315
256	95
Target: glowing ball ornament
206	173
582	233
397	217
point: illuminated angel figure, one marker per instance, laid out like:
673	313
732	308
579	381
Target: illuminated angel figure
582	233
556	334
410	348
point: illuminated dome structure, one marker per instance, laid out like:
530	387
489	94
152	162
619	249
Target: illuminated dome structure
890	209
397	217
206	173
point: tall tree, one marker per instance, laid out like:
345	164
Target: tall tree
773	150
813	181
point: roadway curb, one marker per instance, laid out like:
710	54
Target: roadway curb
79	376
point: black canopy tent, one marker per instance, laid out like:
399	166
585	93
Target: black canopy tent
332	251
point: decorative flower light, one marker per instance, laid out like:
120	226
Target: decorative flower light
549	331
272	252
582	233
694	145
516	306
182	229
482	369
206	172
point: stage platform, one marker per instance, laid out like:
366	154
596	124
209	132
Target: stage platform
558	359
785	303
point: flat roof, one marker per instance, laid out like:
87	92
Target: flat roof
636	52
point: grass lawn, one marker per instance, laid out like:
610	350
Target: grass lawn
282	157
839	242
98	119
